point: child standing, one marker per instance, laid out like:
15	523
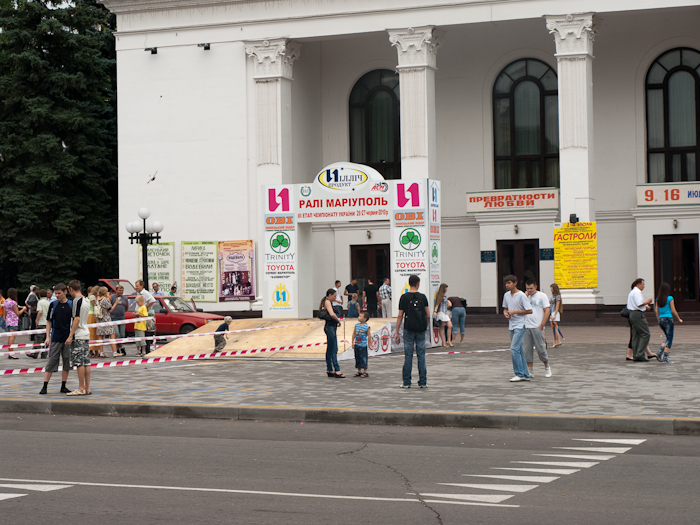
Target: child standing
140	327
360	336
353	307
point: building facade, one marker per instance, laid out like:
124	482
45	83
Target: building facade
598	101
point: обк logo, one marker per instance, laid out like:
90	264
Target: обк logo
280	297
275	199
343	178
404	195
280	242
410	239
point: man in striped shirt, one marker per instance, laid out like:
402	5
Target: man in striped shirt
385	294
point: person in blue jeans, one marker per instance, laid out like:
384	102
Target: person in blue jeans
360	337
516	306
665	312
414	306
332	366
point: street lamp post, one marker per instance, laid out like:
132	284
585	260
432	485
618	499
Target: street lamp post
145	234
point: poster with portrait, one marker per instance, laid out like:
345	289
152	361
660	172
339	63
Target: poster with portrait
236	264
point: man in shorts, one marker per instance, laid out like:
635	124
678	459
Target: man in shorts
60	329
80	348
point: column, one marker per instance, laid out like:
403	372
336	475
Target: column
273	60
417	50
573	36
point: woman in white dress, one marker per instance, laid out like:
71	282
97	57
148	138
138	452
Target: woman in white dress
440	312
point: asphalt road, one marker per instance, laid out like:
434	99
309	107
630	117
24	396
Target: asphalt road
68	469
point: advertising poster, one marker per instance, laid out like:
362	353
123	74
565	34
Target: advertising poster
161	265
199	271
236	263
576	255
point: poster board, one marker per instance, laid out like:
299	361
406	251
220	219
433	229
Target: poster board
161	265
576	255
199	280
236	267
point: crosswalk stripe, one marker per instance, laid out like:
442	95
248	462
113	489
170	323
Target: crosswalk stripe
614	441
577	456
483	498
472	503
531	479
608	450
564	471
575	464
9	496
40	488
503	488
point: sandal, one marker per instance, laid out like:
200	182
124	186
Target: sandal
330	374
339	375
77	393
366	374
357	375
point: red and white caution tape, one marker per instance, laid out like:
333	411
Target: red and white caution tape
91	325
150	360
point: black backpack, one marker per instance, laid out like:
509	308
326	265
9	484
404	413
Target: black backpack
415	314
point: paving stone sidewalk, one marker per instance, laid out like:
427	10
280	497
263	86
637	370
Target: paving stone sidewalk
589	379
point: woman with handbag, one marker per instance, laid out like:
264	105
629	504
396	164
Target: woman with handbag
102	308
327	314
440	313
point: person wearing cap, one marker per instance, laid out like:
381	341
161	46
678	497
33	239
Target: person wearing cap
220	340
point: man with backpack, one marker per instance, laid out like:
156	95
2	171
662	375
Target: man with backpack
415	307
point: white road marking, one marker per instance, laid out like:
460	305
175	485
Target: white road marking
615	441
577	456
531	479
604	450
227	491
40	488
574	464
473	503
503	488
9	496
484	498
564	471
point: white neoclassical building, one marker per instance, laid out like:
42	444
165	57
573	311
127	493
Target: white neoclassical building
597	100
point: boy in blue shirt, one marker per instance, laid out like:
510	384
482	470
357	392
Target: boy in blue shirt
360	336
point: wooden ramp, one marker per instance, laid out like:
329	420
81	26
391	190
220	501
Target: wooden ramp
287	332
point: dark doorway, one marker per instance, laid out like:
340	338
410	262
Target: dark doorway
676	263
369	260
520	258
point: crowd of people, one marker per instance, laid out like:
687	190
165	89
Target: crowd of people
527	311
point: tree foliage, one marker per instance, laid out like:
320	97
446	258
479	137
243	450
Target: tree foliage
57	142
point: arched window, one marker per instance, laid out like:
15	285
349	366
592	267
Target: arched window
673	116
375	134
526	126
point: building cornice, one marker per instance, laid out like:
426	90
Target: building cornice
614	216
666	212
520	217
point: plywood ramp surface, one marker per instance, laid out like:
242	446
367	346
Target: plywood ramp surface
286	332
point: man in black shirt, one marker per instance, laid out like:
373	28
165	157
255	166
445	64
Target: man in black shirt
371	294
351	289
60	327
220	339
415	307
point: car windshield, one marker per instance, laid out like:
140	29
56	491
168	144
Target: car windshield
177	305
128	288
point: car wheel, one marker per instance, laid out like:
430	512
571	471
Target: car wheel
186	328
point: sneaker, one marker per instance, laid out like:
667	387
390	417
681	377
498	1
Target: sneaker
405	386
423	386
547	371
531	373
525	378
64	390
666	359
515	379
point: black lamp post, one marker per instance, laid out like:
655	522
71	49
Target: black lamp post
144	235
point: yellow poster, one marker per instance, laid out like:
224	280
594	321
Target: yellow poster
576	255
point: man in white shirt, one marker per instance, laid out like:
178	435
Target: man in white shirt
338	301
385	294
515	307
534	328
79	348
640	328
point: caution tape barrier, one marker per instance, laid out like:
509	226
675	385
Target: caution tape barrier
91	325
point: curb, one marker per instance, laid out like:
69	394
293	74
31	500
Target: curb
640	425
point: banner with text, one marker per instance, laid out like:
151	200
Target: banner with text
236	263
161	265
576	255
434	220
199	271
513	200
280	252
674	194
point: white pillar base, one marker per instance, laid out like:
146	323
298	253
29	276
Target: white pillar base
581	296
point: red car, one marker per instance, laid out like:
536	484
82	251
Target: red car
174	315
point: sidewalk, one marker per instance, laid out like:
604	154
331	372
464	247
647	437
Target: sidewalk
593	388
